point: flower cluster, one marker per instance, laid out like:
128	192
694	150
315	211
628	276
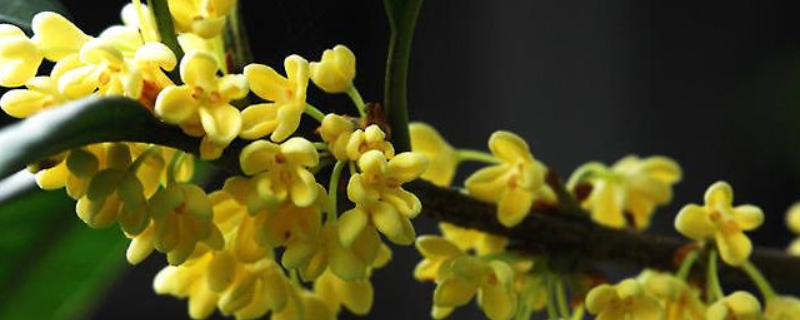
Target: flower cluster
631	189
298	230
272	240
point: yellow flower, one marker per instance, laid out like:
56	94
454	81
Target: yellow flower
719	219
204	99
189	281
679	300
56	37
436	252
335	71
19	57
793	221
112	194
355	295
183	217
380	199
41	92
249	291
468	239
141	246
304	305
281	171
443	158
118	63
512	183
205	18
739	305
281	117
625	300
783	308
130	17
348	143
631	186
464	277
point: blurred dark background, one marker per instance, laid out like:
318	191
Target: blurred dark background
713	84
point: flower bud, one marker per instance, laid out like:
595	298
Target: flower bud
336	70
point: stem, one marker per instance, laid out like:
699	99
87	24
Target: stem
686	265
314	113
561	294
476	155
552	312
242	53
142	157
714	289
143	23
578	315
176	161
219	51
320	146
333	190
354	95
760	281
166	31
402	15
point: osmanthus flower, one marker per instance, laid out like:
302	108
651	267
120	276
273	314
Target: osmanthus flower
248	290
739	305
782	308
280	172
793	222
720	220
19	57
54	38
380	199
205	18
204	99
346	142
632	186
334	73
280	117
441	155
513	183
436	252
189	281
183	218
680	301
113	194
469	239
464	277
40	92
625	300
304	305
355	295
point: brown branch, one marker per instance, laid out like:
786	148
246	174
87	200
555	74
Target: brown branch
552	233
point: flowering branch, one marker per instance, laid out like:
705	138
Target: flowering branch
552	231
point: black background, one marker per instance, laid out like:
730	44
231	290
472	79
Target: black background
713	84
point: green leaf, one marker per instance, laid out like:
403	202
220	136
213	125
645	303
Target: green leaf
21	12
93	120
54	266
402	15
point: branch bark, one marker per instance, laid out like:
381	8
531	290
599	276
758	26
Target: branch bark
555	233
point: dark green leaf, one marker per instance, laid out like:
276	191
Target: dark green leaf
20	12
54	266
88	121
402	15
